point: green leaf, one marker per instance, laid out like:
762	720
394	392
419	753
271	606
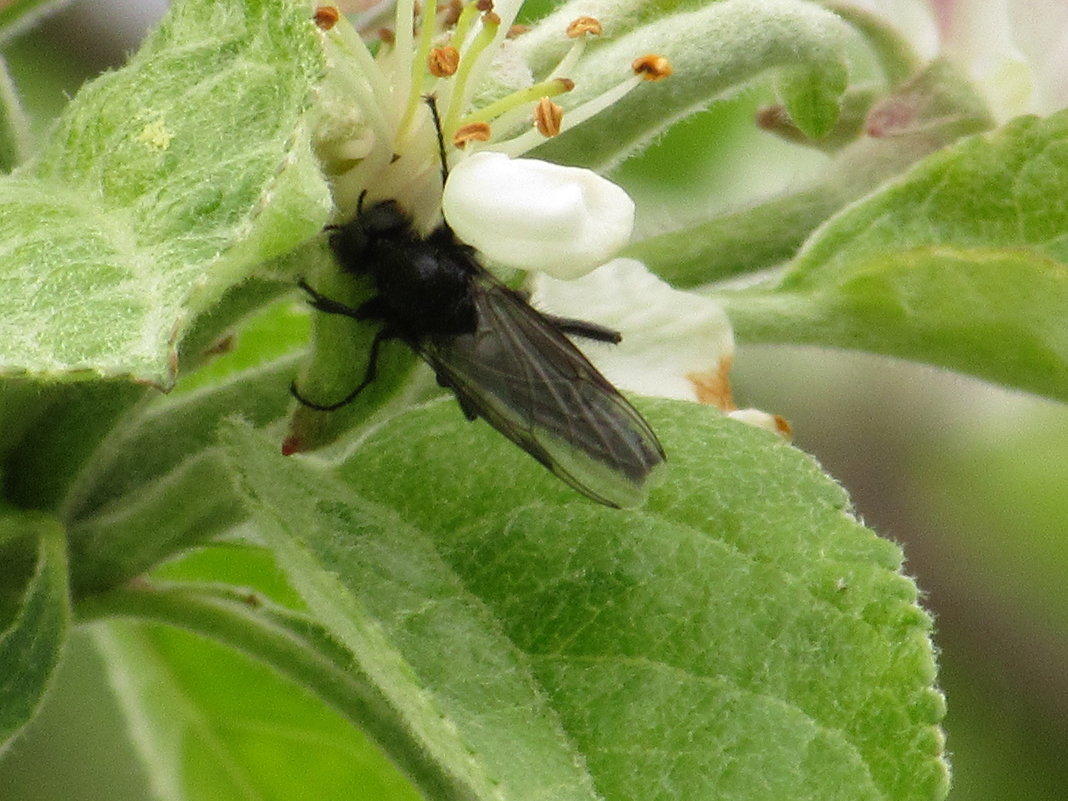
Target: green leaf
714	49
961	263
813	97
928	113
163	184
236	730
160	483
741	637
35	620
263	731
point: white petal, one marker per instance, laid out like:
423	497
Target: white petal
915	20
672	340
769	422
535	215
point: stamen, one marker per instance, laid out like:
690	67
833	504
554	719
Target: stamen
467	17
471	132
652	67
427	23
516	31
580	30
443	61
403	52
550	88
646	68
368	84
483	39
547	117
452	12
584	25
326	17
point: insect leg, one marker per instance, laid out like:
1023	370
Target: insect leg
581	328
368	377
432	102
368	310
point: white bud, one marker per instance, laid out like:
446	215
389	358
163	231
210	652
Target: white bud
535	215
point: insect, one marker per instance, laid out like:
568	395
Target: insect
504	361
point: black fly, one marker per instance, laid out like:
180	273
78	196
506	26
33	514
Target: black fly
503	360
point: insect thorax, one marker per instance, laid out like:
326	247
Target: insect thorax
424	284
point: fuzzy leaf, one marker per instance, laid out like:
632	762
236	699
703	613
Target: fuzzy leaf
740	637
163	184
962	263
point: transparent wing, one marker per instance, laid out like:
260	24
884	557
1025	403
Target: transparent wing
526	379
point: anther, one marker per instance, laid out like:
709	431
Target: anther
326	17
443	61
583	26
517	30
651	67
484	5
452	12
471	132
547	117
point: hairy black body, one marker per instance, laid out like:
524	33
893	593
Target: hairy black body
503	360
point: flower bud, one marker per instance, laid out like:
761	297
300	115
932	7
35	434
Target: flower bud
535	215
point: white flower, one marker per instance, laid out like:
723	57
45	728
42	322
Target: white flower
379	141
675	344
550	219
535	215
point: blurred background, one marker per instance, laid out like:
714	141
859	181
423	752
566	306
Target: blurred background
972	480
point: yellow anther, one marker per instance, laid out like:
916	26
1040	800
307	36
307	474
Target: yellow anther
583	26
471	132
443	61
326	17
651	67
547	117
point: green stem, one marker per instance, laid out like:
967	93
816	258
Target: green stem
736	244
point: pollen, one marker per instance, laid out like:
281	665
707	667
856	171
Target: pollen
471	132
547	117
443	61
651	67
583	26
326	17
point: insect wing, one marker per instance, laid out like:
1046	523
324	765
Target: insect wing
527	380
